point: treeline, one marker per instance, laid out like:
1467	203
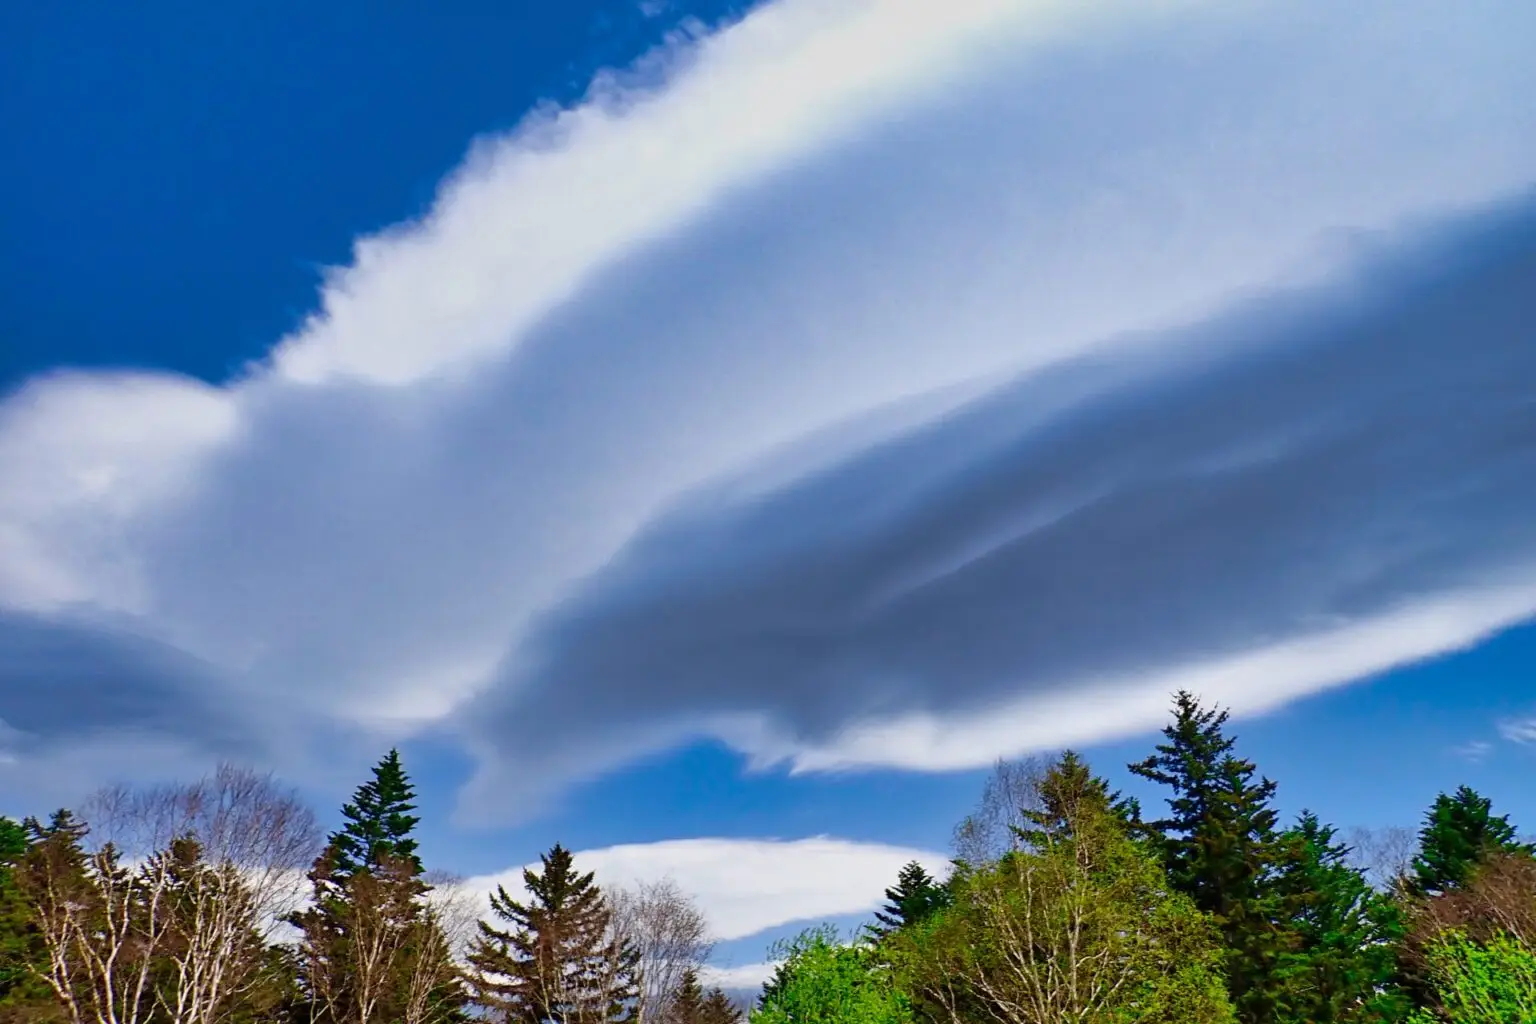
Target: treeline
1067	904
220	902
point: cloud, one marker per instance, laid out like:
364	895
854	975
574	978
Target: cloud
841	425
1518	730
747	886
1474	751
745	978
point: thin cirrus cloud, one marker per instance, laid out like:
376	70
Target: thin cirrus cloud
831	391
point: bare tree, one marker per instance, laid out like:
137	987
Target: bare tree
1384	854
664	925
167	916
1010	793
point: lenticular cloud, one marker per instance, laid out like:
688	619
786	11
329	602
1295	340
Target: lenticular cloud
870	383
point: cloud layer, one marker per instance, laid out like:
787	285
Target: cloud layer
791	880
829	386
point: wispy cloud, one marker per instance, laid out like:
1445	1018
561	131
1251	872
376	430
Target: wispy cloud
1473	750
1518	730
825	391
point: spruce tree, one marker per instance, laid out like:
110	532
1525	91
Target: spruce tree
22	955
1460	832
1220	847
379	824
368	892
914	898
557	961
687	1004
718	1009
1341	968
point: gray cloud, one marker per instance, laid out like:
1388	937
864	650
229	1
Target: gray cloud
1307	461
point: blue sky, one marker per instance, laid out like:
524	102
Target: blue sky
710	436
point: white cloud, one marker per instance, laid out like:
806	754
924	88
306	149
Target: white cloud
793	226
1518	730
744	977
746	886
530	216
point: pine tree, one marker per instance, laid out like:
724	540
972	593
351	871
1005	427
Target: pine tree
1460	831
914	898
22	994
1220	847
687	1004
718	1009
557	961
1342	966
690	1004
370	950
379	825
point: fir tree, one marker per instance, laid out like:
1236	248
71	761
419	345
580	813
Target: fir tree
379	824
1344	960
687	1004
718	1009
557	961
22	993
1460	832
914	898
692	1005
1220	847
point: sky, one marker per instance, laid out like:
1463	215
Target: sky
709	435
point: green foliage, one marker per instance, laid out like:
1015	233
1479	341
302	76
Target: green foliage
379	825
1460	832
556	961
1343	959
821	980
914	898
1489	983
1079	924
1220	847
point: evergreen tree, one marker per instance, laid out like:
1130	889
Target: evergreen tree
22	994
1342	965
687	1004
1220	847
1460	832
718	1009
379	824
557	962
690	1004
915	897
370	950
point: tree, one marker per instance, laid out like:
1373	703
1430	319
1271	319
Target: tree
559	961
379	824
821	980
718	1009
23	957
1490	983
690	1004
914	898
227	849
1220	847
667	932
1078	924
1460	831
1344	960
374	942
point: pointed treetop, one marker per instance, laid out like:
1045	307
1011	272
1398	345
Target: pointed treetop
379	825
1460	832
914	898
